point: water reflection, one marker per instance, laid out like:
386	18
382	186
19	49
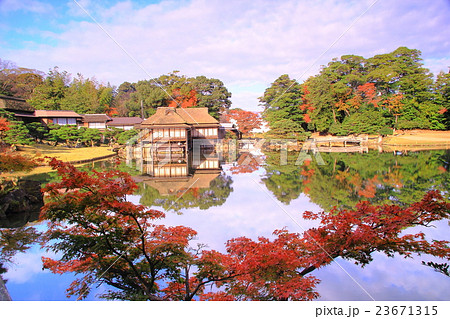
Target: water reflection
237	206
346	179
175	183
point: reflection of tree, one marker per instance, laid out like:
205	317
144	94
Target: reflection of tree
188	197
107	239
347	178
284	181
246	163
13	241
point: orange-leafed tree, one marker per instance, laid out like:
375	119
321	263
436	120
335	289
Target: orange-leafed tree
4	125
106	239
306	105
245	120
178	99
368	93
394	104
246	163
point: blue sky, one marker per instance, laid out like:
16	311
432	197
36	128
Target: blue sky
246	44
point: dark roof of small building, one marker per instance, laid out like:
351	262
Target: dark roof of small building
14	104
59	113
96	118
118	121
180	117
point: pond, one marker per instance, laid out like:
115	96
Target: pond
256	194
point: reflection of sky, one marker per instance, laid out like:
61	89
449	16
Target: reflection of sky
250	212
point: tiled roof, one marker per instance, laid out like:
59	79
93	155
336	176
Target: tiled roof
49	113
117	121
180	116
97	118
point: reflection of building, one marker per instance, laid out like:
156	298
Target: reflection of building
173	177
176	186
180	167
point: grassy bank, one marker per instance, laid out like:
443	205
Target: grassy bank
72	155
65	154
418	137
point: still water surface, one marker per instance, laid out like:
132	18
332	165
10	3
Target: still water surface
257	194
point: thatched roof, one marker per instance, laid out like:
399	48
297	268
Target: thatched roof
169	116
14	104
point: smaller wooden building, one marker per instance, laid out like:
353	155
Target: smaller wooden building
21	109
47	117
98	121
124	123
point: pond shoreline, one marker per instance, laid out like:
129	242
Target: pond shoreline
400	140
74	156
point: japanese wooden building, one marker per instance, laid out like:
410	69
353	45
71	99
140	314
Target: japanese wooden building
172	132
19	107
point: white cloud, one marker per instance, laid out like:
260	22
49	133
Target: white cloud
237	41
25	266
25	5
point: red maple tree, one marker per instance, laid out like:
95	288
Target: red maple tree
109	240
245	120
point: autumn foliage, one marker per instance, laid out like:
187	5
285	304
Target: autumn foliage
4	124
107	239
183	100
246	163
245	120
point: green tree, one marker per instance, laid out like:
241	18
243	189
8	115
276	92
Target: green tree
286	128
170	90
68	134
90	136
37	131
442	97
125	136
282	110
17	134
50	94
86	96
123	95
211	93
